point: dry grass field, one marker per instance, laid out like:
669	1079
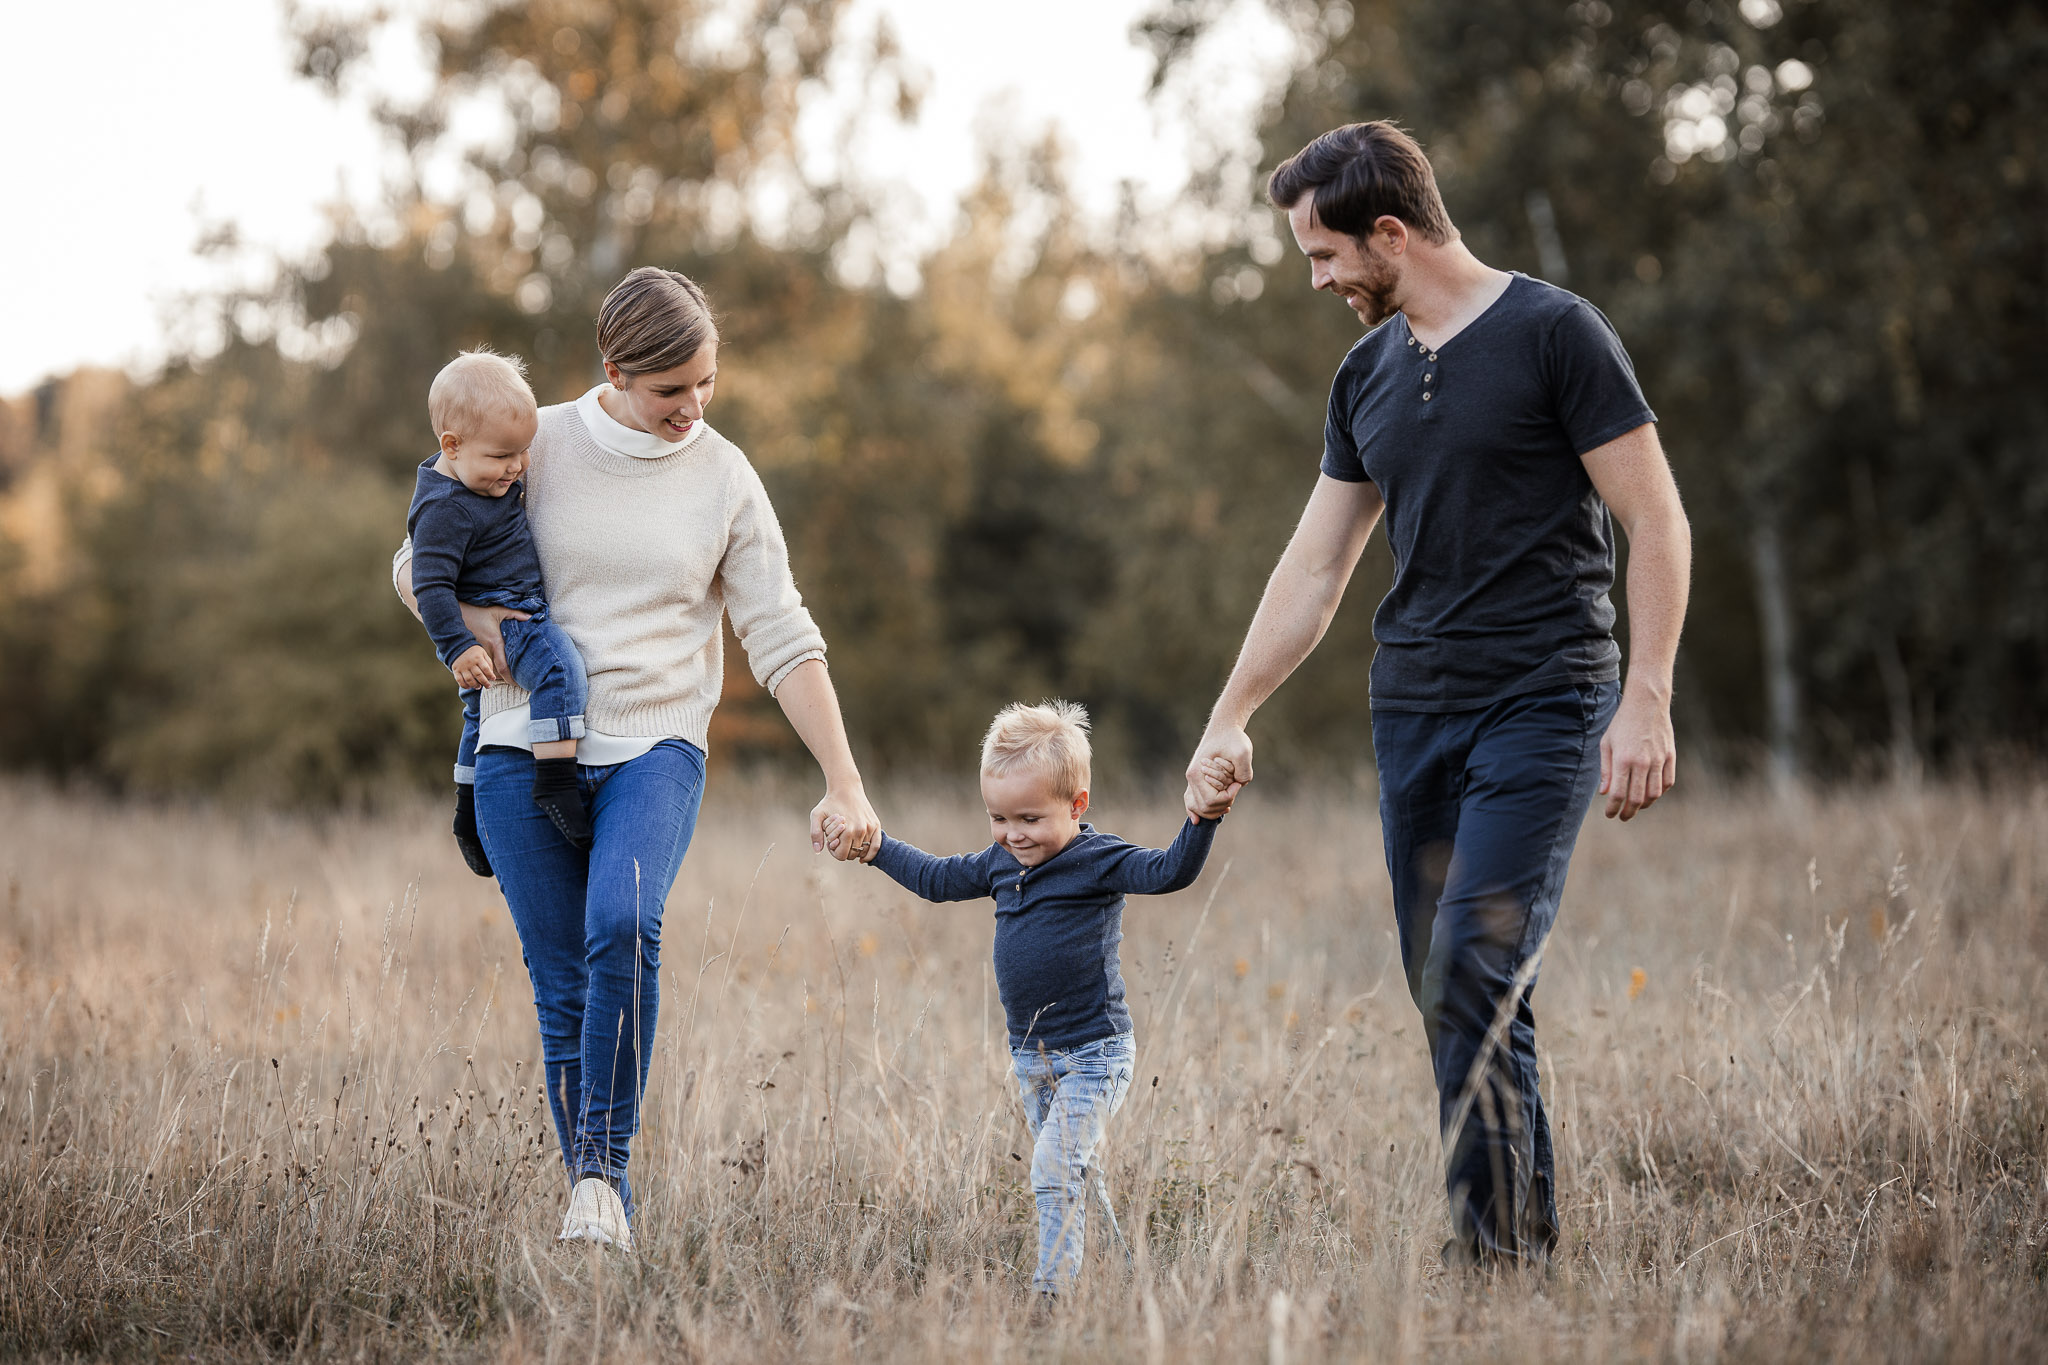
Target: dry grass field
266	1091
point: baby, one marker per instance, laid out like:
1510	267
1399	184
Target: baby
1059	888
471	543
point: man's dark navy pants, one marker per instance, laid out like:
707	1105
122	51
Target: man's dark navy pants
1480	810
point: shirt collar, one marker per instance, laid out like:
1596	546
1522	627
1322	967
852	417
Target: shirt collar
616	437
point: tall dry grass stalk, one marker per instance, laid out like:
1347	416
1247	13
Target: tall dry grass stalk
266	1089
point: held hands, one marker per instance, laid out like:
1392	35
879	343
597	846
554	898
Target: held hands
842	843
845	825
1638	755
1221	767
472	668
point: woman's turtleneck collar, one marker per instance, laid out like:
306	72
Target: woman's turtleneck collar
615	436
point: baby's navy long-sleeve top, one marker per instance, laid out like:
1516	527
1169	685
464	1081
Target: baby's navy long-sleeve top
1058	924
467	547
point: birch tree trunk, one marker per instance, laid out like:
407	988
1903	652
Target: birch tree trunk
1774	620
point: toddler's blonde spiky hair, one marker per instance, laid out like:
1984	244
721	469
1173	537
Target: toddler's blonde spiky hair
475	387
1051	738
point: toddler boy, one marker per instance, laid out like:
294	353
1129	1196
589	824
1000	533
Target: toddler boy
471	543
1059	887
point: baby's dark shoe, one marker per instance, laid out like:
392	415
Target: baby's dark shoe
555	792
466	837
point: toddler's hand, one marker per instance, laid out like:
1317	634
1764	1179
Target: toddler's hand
836	836
472	667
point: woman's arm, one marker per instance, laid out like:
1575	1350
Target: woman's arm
482	621
807	698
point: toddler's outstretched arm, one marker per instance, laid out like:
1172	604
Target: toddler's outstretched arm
961	878
1156	871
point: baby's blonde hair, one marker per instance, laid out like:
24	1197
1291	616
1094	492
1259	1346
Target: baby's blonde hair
1051	738
475	387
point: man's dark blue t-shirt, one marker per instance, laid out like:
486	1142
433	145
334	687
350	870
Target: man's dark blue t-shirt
1503	551
1057	924
468	547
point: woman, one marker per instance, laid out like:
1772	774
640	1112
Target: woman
650	527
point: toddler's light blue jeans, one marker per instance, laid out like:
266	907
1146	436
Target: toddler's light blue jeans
1069	1095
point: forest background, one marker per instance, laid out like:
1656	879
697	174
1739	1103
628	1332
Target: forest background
1064	462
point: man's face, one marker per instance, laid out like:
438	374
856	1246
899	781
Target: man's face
1358	273
490	459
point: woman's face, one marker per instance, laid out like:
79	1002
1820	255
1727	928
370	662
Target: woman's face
667	403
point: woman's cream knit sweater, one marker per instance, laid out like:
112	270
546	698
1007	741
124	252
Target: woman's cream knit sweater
641	557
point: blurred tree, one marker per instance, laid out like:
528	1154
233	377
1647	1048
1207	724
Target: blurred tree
1819	226
1065	462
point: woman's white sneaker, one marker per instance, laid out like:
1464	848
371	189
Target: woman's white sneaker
596	1214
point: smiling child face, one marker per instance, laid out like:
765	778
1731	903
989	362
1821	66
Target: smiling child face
490	458
1027	817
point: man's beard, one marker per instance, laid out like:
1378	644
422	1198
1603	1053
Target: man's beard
1375	290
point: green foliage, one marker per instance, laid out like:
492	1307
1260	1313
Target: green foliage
1832	303
1064	465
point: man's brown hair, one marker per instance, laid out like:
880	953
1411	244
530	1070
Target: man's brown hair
654	320
1358	173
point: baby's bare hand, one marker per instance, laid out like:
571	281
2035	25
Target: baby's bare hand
472	668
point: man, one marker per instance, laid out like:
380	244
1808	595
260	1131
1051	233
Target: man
1496	422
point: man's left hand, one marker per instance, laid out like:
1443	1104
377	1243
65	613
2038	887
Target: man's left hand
1638	755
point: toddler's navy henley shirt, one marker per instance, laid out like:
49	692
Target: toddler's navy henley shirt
1058	924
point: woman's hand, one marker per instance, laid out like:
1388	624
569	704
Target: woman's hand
483	623
807	698
845	825
836	839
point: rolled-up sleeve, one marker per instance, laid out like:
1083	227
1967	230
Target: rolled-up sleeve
761	598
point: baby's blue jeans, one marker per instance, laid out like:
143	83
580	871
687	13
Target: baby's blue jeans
545	662
1069	1094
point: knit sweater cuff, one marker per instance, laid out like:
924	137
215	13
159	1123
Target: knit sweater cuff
774	680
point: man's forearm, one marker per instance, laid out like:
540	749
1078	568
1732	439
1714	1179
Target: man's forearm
1659	582
1301	597
1292	616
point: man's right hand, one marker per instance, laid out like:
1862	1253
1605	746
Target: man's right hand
1218	772
483	624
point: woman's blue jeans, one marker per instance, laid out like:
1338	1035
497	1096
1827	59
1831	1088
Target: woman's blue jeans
1069	1095
1480	810
590	929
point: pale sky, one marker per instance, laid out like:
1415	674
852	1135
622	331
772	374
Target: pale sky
126	137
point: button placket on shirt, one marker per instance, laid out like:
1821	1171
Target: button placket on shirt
1428	359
